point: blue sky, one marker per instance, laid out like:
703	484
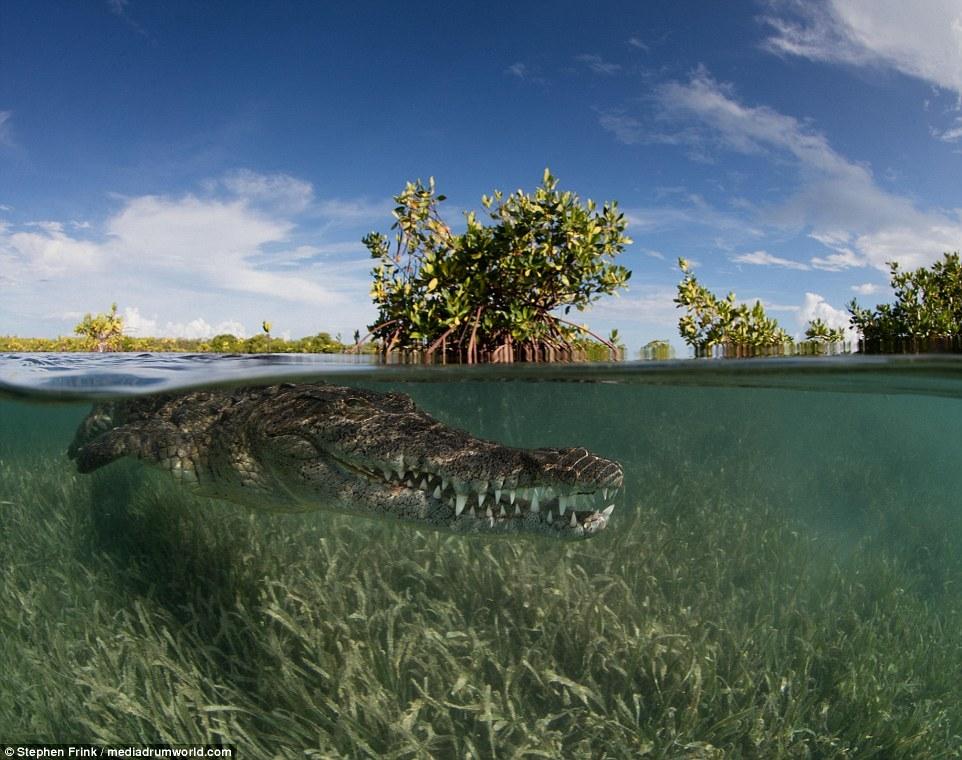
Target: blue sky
211	165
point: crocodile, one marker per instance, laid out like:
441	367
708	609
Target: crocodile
298	447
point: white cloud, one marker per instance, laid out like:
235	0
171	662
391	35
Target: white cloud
837	201
773	306
747	129
636	42
697	211
816	307
836	262
285	196
922	40
210	242
73	316
119	8
278	191
768	305
630	130
523	72
598	65
302	255
832	238
201	244
49	226
48	252
517	69
644	313
763	258
866	289
233	259
626	129
189	232
950	134
914	244
650	305
136	325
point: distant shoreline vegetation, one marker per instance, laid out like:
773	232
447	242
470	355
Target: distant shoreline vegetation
321	343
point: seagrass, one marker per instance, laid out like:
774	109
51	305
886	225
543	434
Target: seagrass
719	627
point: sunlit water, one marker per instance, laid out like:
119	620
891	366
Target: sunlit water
857	461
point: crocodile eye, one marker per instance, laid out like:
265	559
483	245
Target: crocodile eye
355	401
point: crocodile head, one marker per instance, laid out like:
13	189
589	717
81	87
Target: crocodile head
378	454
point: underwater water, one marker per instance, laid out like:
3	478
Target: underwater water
781	576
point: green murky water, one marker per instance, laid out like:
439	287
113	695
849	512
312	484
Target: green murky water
782	576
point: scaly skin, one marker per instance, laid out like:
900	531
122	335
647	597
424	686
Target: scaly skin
293	448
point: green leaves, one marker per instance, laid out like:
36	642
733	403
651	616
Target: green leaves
711	321
817	330
103	332
928	304
493	282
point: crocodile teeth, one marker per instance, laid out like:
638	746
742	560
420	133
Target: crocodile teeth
424	484
497	495
563	504
472	512
517	511
512	494
608	510
534	500
460	501
574	521
481	499
535	507
550	518
604	494
488	513
387	473
437	492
